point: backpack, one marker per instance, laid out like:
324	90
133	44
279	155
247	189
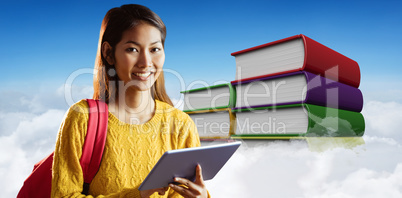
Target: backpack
39	183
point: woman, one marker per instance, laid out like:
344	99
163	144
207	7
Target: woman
142	123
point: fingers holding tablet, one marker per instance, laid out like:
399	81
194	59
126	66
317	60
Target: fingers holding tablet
191	189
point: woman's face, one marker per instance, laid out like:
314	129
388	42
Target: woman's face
139	57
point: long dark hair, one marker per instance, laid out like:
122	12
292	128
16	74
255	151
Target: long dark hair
116	21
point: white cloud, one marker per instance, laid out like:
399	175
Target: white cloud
61	97
9	121
74	93
28	130
14	166
291	169
383	119
366	183
385	88
259	169
33	139
38	132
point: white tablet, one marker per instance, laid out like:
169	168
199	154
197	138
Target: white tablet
182	163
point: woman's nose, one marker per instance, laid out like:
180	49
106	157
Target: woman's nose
144	60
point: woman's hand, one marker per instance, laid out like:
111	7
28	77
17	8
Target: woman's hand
147	193
191	189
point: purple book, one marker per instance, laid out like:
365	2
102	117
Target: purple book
294	88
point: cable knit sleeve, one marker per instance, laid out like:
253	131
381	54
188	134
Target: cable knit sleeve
67	176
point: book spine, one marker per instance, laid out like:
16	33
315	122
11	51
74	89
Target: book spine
331	122
232	97
322	60
326	92
232	117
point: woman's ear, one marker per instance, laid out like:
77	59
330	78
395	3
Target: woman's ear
107	52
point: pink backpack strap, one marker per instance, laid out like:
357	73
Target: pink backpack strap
94	141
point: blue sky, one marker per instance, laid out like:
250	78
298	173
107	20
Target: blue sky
43	42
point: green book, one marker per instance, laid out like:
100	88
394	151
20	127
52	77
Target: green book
207	98
297	121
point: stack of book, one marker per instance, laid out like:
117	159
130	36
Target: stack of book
211	110
293	87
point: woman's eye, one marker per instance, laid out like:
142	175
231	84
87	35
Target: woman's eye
155	50
131	49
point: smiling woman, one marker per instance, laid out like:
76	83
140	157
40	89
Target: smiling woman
139	46
119	33
142	124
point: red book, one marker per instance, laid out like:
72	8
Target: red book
296	53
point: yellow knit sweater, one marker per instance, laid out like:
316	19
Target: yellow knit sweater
130	152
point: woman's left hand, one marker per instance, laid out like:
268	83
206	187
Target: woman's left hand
191	189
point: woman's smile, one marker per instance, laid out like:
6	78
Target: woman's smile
143	76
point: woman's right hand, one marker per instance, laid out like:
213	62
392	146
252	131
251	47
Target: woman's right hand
147	193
